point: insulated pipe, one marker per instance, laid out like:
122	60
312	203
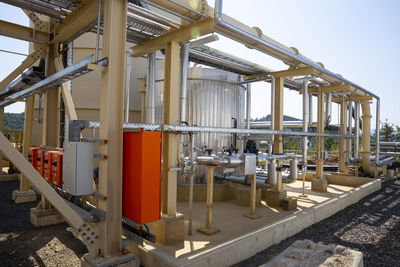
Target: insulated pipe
272	175
357	129
305	124
183	94
366	138
273	89
127	86
328	108
258	43
150	94
248	106
350	129
310	109
378	115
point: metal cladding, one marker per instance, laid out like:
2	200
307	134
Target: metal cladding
215	100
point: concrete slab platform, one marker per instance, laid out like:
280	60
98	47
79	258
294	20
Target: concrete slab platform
308	253
241	237
129	260
23	197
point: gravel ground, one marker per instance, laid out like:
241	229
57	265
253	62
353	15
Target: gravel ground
22	244
371	226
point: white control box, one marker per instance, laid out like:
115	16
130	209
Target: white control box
78	168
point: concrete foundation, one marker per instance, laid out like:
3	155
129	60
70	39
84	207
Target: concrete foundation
241	237
169	230
8	177
243	196
22	197
129	260
307	253
319	185
221	192
45	217
273	198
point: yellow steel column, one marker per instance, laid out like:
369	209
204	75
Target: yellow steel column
342	141
27	137
320	139
170	145
366	138
111	120
278	139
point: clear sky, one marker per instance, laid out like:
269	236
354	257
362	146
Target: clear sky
359	39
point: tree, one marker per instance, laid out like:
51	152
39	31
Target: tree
387	132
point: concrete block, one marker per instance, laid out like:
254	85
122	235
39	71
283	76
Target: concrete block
319	185
289	203
221	192
129	260
8	177
45	217
273	198
170	229
243	196
23	197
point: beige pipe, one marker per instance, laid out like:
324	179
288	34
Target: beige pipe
366	138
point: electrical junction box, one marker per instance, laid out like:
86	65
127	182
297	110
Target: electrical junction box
249	163
39	161
32	156
47	159
57	168
78	168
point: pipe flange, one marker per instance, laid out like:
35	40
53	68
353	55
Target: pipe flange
259	31
296	51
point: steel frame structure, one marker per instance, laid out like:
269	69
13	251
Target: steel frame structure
152	32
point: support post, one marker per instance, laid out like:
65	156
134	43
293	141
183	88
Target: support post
342	140
306	112
350	129
171	221
142	90
208	229
253	197
319	183
111	121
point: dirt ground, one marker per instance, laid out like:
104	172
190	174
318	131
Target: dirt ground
371	226
22	244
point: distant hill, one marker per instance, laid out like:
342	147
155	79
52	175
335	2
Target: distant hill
13	121
268	118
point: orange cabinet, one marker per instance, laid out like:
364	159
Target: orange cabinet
142	176
39	161
57	168
32	156
47	159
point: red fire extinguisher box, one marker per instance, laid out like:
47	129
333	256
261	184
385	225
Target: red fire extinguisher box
142	176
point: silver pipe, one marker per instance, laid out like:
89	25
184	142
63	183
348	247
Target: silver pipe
350	130
183	93
389	143
378	115
168	11
98	32
357	129
218	18
272	105
204	40
310	109
150	94
294	170
248	105
192	175
151	15
328	108
305	124
127	86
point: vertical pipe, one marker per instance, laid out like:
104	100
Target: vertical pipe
183	95
305	124
273	89
192	174
357	129
328	108
248	106
350	130
98	32
310	109
320	139
342	132
253	192
69	63
127	86
378	118
150	94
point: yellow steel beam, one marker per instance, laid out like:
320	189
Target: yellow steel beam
284	73
38	23
28	62
353	98
23	33
180	35
330	89
77	20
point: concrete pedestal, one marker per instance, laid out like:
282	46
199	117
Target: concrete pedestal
45	217
319	185
170	229
124	261
23	197
273	198
243	196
